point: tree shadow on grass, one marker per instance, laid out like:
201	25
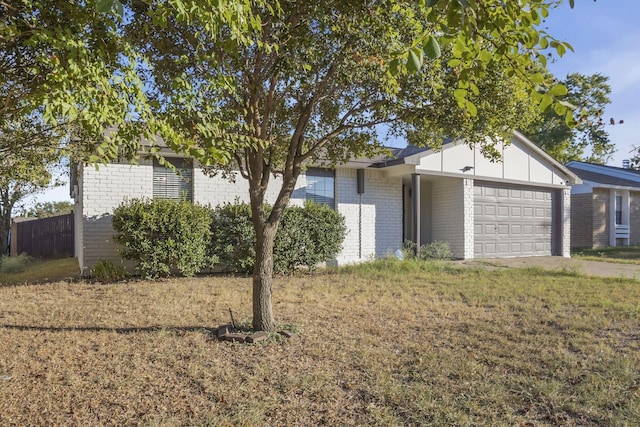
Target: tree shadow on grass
129	330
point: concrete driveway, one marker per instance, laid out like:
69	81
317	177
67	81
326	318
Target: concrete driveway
590	268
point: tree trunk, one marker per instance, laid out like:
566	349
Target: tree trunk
5	224
263	278
4	233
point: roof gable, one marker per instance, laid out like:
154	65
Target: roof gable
522	161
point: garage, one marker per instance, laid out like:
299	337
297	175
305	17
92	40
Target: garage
512	221
518	206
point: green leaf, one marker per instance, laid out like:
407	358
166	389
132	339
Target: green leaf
485	56
413	62
545	102
393	67
103	6
558	90
431	48
569	120
460	94
560	48
471	108
572	3
559	109
453	63
119	8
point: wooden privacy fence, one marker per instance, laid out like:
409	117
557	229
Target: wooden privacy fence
45	238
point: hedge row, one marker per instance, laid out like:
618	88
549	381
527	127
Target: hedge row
166	237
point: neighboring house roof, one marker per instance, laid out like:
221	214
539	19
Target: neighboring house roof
605	176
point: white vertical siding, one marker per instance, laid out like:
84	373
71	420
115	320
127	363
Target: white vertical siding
518	163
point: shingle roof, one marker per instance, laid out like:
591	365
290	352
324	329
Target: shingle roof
606	179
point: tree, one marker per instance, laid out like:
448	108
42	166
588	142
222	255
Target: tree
275	85
69	61
28	171
47	209
588	140
317	78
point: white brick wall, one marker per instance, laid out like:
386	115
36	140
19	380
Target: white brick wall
448	204
373	219
104	189
216	190
469	219
566	222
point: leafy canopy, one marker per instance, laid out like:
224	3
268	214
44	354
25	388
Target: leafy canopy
588	140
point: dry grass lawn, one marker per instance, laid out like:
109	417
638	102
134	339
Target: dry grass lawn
379	344
619	254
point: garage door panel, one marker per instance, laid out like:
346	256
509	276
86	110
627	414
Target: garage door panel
512	221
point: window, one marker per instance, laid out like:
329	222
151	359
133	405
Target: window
167	184
320	186
618	210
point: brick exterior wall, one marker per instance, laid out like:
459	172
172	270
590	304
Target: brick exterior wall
582	220
216	190
634	218
600	224
373	219
469	218
567	208
448	204
102	190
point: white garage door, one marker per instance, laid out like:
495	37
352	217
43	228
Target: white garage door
512	221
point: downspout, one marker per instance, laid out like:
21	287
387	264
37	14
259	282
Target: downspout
360	189
415	200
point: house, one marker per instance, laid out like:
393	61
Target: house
484	209
605	207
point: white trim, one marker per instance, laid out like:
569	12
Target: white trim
619	231
594	184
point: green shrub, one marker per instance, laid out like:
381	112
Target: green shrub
233	237
433	250
107	271
306	237
163	236
14	264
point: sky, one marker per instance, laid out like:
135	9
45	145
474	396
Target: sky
606	38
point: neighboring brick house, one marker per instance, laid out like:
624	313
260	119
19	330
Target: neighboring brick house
517	207
605	207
